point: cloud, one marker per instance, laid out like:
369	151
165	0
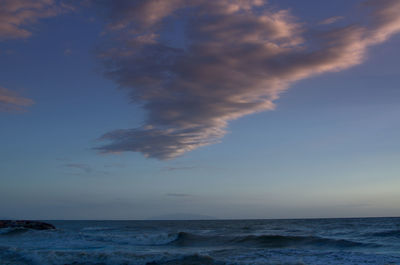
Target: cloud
67	52
143	14
7	52
87	170
178	195
115	165
179	168
10	100
331	20
84	167
17	16
16	19
238	56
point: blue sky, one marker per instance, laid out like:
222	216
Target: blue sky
329	148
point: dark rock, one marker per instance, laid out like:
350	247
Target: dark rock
26	224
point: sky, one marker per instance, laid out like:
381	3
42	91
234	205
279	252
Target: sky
231	109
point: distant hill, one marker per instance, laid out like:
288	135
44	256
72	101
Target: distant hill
182	216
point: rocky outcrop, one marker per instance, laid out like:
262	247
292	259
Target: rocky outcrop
26	224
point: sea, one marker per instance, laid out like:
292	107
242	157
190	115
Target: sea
293	241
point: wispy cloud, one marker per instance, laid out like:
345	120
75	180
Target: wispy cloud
115	165
67	52
178	195
84	167
179	168
331	20
16	20
10	100
18	16
238	57
7	52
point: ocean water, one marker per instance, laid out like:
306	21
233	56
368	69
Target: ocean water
302	241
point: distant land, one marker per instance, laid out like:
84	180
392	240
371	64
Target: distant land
182	216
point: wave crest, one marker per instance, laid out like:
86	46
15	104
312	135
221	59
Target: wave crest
12	231
267	241
388	233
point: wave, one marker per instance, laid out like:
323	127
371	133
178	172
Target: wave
12	231
278	241
188	260
187	239
98	228
15	256
151	239
264	241
387	233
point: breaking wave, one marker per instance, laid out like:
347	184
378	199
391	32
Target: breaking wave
11	231
265	241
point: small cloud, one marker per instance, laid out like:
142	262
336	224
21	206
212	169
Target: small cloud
67	52
10	100
86	168
115	165
178	195
7	52
64	159
331	20
178	168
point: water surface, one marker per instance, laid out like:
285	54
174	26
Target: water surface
301	241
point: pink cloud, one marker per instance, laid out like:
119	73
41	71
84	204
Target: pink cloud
331	20
12	101
239	57
16	16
